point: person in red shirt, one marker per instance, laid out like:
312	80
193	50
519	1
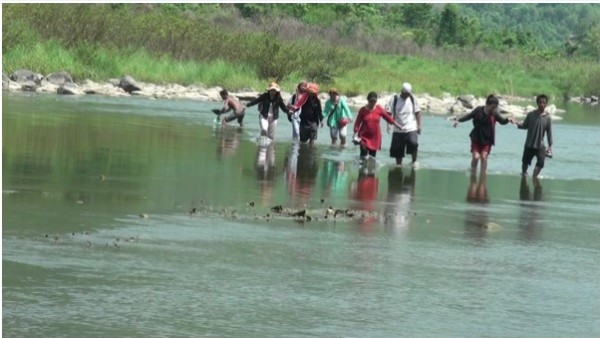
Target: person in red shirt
367	129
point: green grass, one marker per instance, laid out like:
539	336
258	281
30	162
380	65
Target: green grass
381	73
104	41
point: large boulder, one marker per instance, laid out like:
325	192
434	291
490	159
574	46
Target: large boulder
458	108
48	87
435	106
28	86
23	75
467	101
108	89
69	88
59	78
128	84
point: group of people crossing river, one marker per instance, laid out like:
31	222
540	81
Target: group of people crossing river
304	111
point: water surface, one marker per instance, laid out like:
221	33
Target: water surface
436	253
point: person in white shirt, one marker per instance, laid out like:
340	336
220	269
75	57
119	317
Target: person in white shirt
405	110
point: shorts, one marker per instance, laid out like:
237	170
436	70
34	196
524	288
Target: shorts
539	154
232	116
308	132
404	141
338	131
478	147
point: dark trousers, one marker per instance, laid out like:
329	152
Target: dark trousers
364	151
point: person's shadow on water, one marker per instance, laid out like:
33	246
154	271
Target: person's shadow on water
531	210
401	193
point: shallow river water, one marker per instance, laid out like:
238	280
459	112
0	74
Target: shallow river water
98	239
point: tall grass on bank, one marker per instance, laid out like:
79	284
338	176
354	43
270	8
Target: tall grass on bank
382	73
98	64
182	38
519	77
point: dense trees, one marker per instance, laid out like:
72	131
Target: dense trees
538	29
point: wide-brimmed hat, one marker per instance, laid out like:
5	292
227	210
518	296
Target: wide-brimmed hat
273	85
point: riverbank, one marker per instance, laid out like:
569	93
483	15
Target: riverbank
447	104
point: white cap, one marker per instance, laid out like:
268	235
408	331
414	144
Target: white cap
406	87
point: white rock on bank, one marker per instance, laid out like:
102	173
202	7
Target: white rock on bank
48	87
69	88
447	104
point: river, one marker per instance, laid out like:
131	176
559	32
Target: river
99	238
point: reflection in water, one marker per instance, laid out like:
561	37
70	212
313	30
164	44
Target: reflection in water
265	171
530	218
229	141
301	172
291	168
334	179
476	218
364	192
401	194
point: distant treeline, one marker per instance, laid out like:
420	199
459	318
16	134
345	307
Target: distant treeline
545	29
320	42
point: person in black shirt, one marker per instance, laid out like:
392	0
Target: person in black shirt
483	133
269	104
311	116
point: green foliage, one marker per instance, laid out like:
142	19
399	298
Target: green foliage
166	32
549	24
217	45
417	15
449	26
592	41
592	85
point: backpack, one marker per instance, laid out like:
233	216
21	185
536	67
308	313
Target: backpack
412	99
